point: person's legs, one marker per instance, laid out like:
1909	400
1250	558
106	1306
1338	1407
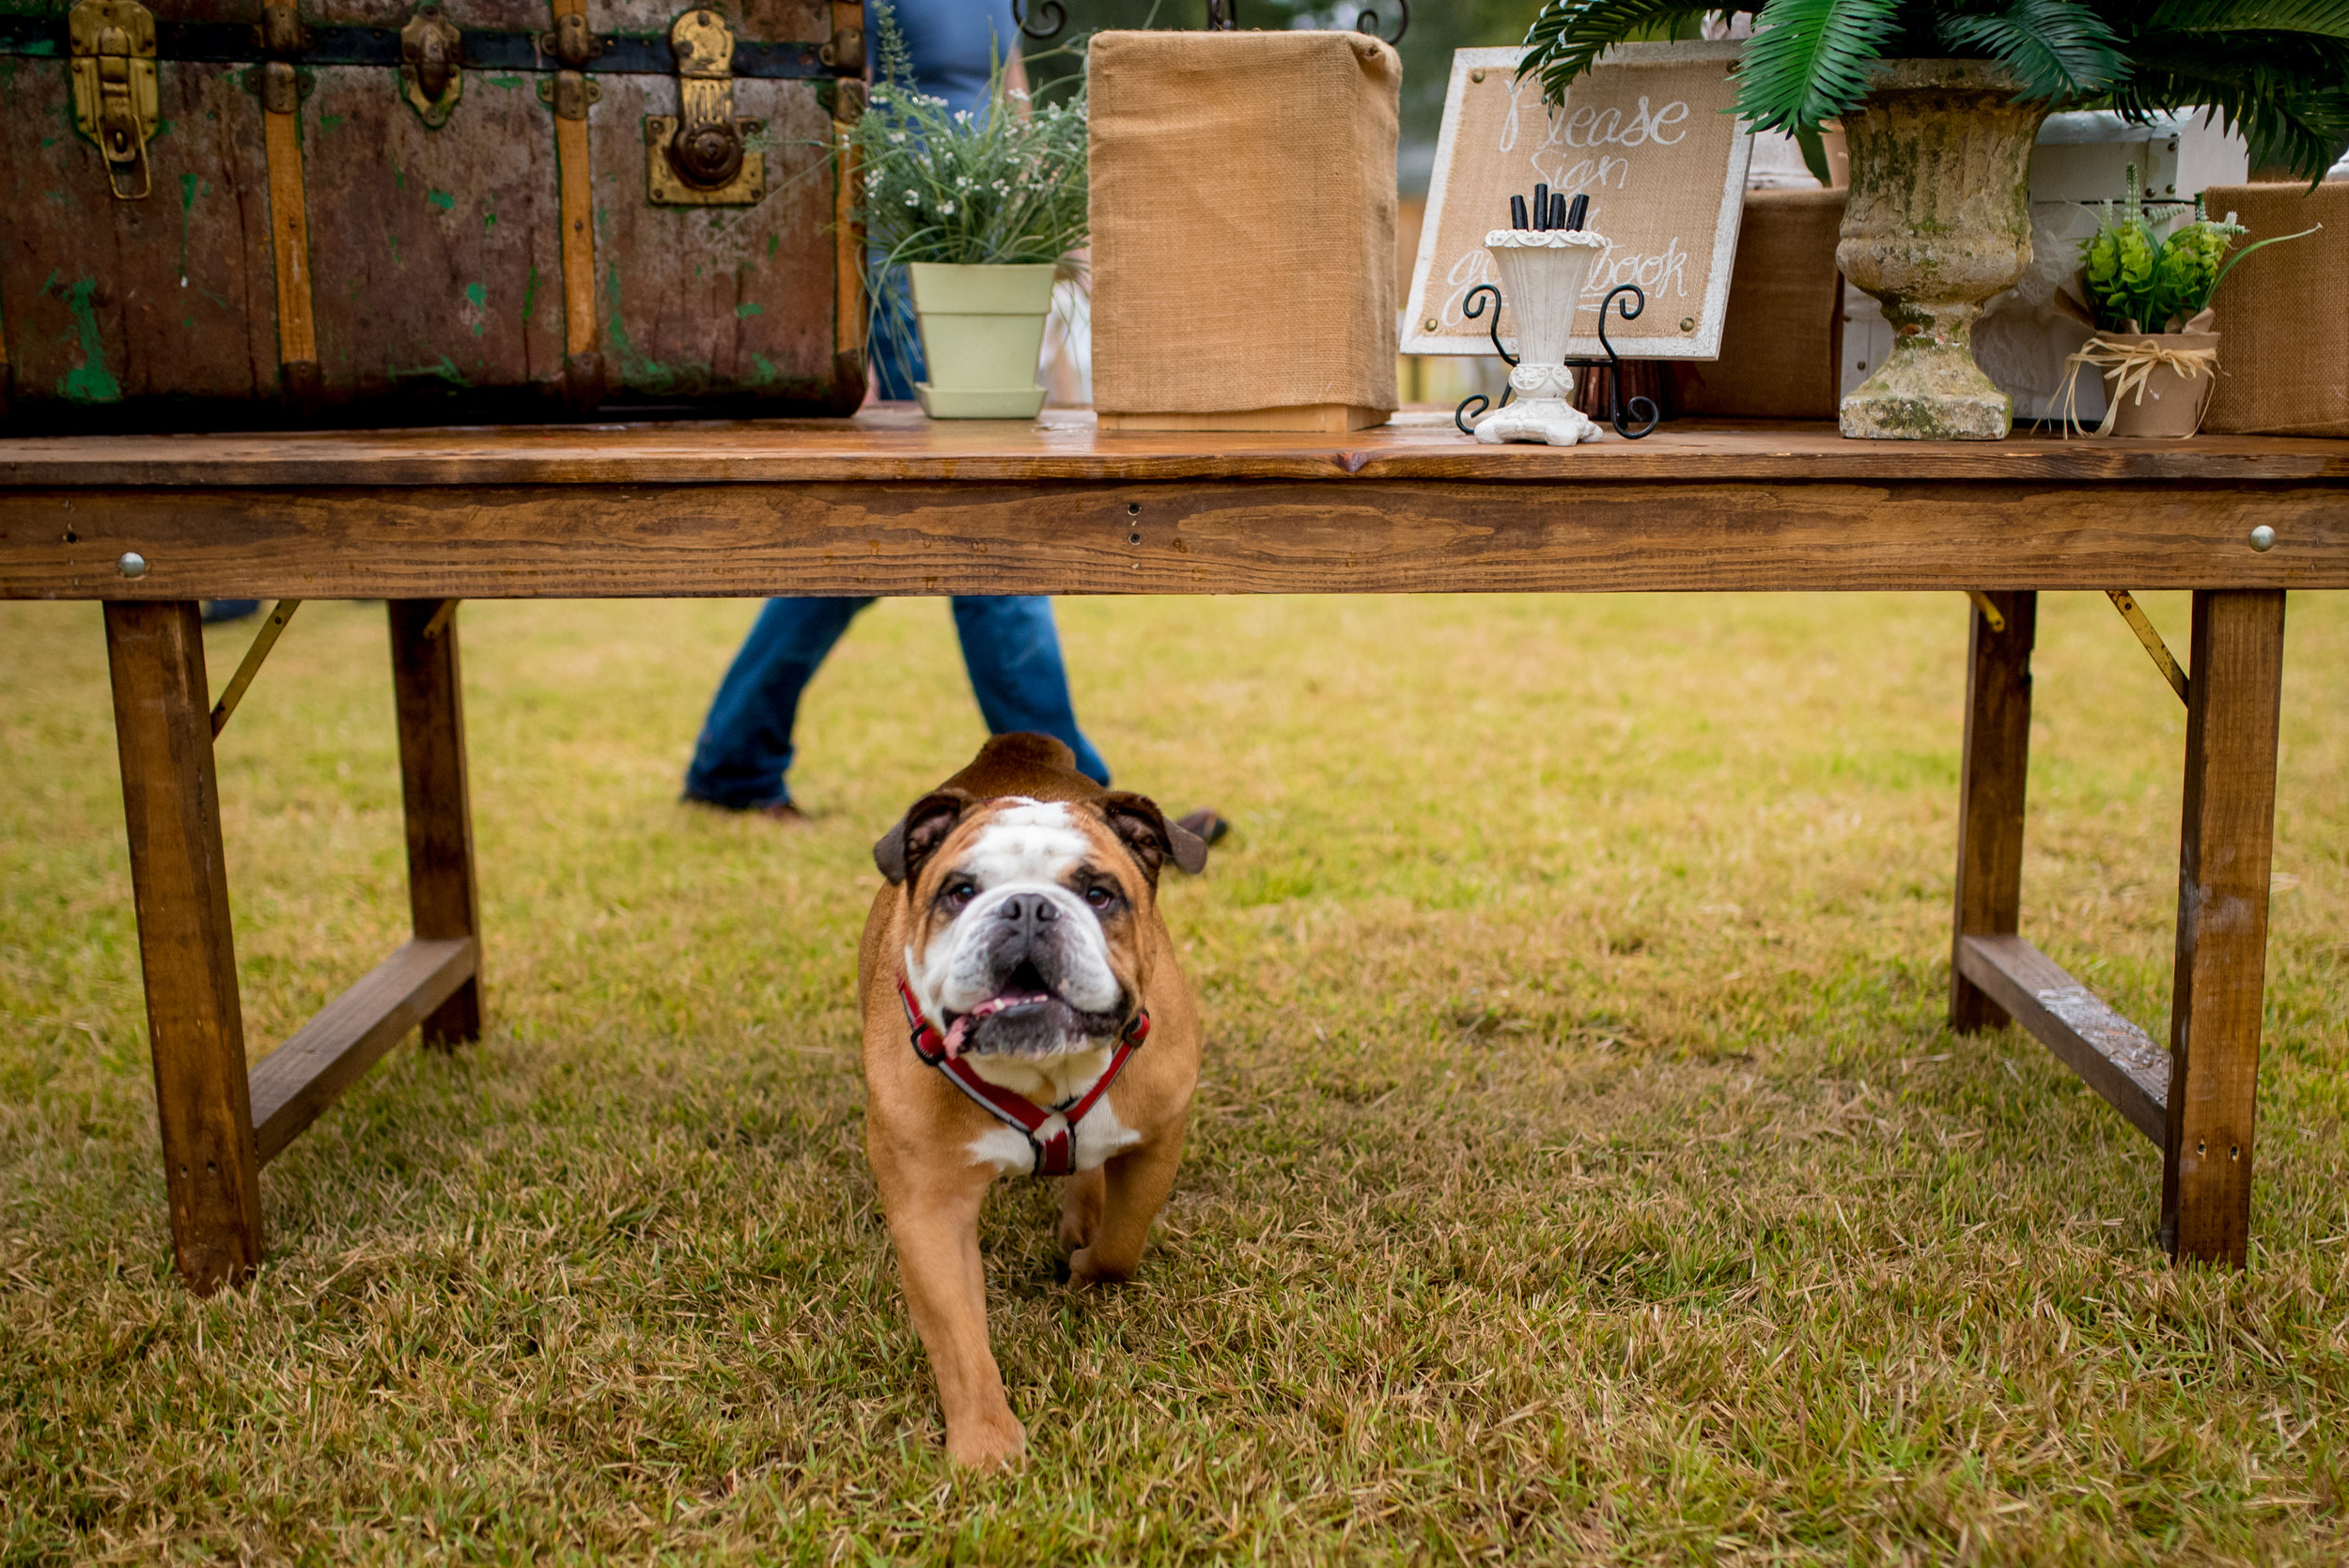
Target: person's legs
745	744
895	340
1012	650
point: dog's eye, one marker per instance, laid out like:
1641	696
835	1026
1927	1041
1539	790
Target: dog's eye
960	894
1100	897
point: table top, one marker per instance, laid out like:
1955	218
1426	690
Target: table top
894	442
891	503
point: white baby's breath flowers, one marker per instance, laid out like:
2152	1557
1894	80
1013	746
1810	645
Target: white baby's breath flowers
1001	181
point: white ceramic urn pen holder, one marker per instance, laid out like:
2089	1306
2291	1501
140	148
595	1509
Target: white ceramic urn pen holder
1542	272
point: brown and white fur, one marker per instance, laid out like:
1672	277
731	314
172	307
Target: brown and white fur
1022	907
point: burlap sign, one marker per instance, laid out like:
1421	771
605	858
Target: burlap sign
1647	136
1243	223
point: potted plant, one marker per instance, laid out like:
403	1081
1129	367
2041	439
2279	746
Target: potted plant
2149	304
981	209
1940	101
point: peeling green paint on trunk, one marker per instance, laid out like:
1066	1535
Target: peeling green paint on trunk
90	381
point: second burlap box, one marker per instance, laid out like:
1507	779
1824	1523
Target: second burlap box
2283	315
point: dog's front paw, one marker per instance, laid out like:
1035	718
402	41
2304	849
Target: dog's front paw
988	1444
1087	1267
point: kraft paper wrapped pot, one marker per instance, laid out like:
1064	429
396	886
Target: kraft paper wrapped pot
1243	230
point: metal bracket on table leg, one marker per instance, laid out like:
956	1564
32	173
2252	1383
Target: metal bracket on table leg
1989	610
263	641
2164	661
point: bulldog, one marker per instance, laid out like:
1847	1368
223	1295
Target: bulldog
1023	1016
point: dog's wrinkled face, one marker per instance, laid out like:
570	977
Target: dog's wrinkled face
1025	932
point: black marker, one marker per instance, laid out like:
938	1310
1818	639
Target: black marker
1557	211
1516	213
1541	206
1578	213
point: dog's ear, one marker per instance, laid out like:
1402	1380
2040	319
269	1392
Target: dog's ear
1149	837
904	847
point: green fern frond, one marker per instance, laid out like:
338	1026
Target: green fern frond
2327	19
1809	60
2056	48
2290	98
1568	36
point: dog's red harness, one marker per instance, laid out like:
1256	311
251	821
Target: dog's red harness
1050	1133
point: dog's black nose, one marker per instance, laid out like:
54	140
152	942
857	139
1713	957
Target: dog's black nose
1028	911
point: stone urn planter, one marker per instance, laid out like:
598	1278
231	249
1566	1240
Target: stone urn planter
1542	275
1938	220
981	332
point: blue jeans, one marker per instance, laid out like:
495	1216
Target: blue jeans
1009	645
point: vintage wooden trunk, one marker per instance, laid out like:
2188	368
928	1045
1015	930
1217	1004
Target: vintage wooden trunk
222	213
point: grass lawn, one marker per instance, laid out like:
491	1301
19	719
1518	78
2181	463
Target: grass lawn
1580	1172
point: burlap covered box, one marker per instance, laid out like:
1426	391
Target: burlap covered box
1782	343
2283	315
1243	230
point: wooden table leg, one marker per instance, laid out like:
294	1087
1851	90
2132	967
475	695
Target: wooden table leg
1990	789
195	1022
2234	698
442	900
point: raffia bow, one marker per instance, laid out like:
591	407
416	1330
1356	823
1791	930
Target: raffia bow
2128	366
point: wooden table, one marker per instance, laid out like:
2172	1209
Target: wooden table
890	503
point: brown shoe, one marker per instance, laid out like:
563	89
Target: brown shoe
1206	825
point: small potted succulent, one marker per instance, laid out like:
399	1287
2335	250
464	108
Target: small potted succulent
1940	101
2149	301
981	210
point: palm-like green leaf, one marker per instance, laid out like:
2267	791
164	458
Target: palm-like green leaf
2056	48
2323	18
1809	60
2290	113
1568	36
2278	70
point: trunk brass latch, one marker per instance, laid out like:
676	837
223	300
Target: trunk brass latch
113	44
699	157
431	52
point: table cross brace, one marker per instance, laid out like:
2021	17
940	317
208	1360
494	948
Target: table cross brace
2164	661
263	640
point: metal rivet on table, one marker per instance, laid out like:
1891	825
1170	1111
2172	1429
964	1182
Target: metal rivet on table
131	565
2262	538
1688	323
1433	324
1477	75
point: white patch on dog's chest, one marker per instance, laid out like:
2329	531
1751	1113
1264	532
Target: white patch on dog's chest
1101	1134
1098	1138
1003	1148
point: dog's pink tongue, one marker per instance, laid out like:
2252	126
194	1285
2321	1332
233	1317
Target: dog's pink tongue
988	1009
